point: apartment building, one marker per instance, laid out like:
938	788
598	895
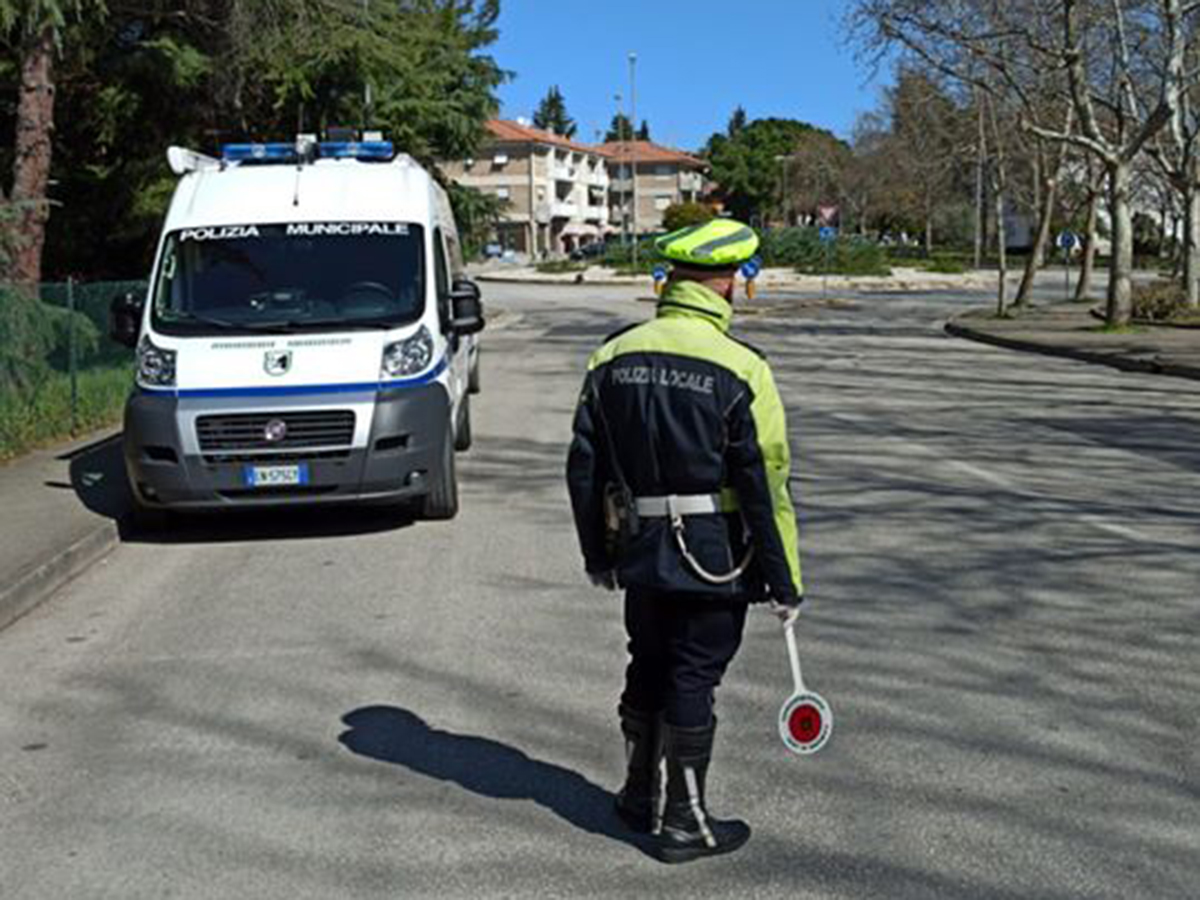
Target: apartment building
557	189
665	176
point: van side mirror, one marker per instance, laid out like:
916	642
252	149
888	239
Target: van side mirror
125	318
466	307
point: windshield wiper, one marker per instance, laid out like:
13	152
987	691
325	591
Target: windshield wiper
347	324
226	325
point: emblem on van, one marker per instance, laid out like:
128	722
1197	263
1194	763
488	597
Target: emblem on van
277	362
275	431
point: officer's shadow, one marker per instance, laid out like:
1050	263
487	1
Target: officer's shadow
485	767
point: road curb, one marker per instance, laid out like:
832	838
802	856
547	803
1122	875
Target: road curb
640	281
27	591
955	328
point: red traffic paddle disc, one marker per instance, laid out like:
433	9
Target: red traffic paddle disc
805	720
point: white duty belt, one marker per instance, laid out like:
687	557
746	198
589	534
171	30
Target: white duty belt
682	505
675	507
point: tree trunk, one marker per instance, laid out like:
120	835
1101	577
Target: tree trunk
1038	251
928	233
1120	274
31	164
1191	242
980	200
1087	264
1037	257
1001	254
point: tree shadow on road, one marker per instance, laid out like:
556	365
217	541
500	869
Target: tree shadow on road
485	767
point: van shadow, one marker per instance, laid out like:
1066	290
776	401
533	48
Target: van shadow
97	474
484	767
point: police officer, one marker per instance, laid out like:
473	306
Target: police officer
678	475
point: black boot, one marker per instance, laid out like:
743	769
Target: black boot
688	831
639	800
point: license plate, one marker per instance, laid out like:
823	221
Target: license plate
275	476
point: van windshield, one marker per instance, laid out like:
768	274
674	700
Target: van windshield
290	277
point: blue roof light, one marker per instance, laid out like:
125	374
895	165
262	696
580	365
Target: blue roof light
283	153
356	150
258	152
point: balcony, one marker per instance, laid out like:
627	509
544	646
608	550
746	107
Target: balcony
564	210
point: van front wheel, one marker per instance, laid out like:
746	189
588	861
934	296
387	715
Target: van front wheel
462	434
442	500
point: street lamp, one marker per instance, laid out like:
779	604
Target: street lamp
633	149
621	173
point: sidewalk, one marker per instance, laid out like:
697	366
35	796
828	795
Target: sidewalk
1069	330
61	512
775	279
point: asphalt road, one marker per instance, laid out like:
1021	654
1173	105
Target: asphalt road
1001	556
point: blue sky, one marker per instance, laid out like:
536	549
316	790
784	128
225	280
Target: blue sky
781	58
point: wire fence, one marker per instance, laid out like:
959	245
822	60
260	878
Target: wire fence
60	373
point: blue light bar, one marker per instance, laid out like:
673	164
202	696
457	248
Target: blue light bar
266	153
258	152
356	150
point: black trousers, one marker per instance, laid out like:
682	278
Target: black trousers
679	648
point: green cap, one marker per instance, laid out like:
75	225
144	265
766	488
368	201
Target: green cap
719	244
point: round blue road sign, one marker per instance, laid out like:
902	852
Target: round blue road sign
827	233
660	273
1066	241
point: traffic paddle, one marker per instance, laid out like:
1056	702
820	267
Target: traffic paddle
805	720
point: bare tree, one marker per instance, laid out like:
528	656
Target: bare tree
1108	57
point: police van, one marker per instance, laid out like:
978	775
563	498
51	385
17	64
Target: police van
308	335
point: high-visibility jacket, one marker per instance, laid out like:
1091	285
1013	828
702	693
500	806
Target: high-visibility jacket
688	410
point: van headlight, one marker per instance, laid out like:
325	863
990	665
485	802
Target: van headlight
155	365
409	356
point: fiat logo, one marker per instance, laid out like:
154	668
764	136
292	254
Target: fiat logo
275	431
277	362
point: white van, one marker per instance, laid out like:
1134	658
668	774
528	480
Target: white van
307	337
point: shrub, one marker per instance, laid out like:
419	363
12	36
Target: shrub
851	256
681	215
946	264
1159	301
558	266
619	256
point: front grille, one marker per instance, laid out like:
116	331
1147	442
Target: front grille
247	431
269	458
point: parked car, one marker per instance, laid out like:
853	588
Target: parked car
589	252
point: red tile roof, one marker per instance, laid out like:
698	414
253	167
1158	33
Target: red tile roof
504	130
650	152
623	151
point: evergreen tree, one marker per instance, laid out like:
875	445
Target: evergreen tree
644	132
621	129
737	122
551	114
157	72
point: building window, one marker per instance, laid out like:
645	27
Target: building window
664	170
500	159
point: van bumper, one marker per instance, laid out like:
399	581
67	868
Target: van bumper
400	459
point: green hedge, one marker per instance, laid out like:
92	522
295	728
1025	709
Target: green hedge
803	250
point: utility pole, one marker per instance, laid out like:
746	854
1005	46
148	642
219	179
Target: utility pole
633	149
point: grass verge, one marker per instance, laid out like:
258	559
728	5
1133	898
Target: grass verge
45	418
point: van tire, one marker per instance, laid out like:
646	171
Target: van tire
462	434
474	379
442	500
